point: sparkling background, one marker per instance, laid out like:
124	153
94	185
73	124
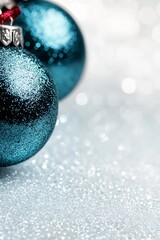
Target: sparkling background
99	175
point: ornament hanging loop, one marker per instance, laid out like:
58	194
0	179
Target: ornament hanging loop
11	21
10	13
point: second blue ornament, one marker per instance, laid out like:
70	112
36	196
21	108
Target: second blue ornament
53	36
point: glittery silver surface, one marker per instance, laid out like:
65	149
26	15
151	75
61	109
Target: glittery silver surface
99	175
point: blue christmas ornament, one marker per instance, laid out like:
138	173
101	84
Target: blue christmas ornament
28	105
53	36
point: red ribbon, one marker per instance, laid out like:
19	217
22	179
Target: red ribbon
10	14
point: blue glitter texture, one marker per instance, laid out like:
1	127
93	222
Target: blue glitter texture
53	36
28	106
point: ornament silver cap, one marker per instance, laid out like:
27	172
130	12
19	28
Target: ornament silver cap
11	35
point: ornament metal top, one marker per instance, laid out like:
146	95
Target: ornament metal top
11	35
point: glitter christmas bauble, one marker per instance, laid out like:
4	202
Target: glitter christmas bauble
53	36
28	106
